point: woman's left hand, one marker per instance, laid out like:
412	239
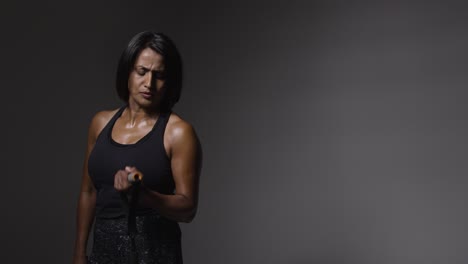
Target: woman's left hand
121	182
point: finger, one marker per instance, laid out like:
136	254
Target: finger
123	180
118	180
126	184
130	169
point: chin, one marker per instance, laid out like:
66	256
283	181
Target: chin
146	103
149	104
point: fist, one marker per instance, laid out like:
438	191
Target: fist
121	182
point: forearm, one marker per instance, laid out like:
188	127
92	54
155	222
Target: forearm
176	207
84	220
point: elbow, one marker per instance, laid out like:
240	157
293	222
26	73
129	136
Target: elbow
188	210
188	218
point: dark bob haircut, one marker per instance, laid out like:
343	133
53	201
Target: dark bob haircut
161	44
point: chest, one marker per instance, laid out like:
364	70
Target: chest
125	134
147	154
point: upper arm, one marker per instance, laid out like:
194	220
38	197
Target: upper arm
186	160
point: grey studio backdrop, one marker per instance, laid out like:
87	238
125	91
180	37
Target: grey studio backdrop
333	132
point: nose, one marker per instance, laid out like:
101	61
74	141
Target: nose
150	79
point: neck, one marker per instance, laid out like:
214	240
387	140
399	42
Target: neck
135	114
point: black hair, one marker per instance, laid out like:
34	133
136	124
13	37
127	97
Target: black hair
161	44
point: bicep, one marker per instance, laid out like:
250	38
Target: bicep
186	161
86	183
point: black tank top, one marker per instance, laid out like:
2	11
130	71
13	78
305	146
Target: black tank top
147	155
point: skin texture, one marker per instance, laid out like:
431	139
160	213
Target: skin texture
146	88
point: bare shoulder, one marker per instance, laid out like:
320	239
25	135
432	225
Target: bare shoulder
99	121
179	130
177	127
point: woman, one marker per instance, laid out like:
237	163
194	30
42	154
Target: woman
142	136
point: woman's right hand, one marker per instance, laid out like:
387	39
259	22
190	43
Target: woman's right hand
121	182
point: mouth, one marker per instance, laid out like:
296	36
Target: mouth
146	95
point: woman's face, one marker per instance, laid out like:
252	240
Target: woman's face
146	80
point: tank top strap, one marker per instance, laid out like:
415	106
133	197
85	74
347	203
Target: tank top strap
117	115
112	121
164	118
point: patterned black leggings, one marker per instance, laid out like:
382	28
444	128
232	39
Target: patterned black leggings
158	240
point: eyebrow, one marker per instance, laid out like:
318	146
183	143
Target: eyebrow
147	69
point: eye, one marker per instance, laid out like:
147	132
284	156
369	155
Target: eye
140	72
160	75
